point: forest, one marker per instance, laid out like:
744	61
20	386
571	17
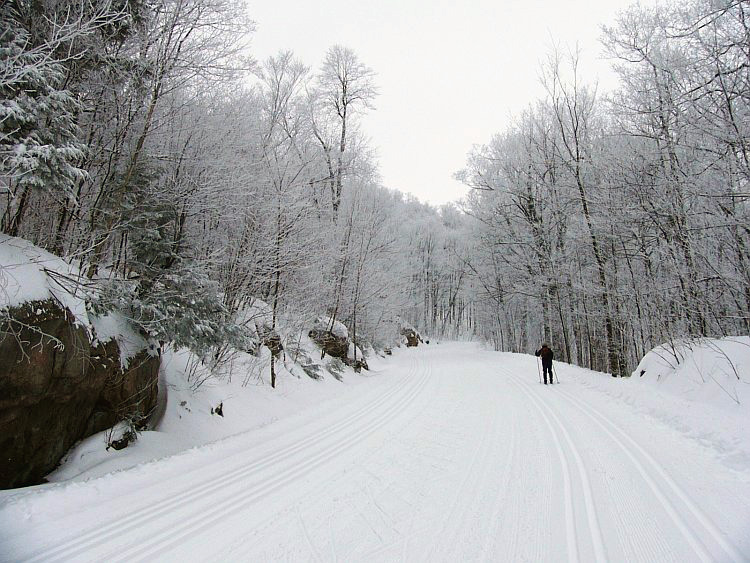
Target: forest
142	142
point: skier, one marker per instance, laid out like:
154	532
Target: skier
546	354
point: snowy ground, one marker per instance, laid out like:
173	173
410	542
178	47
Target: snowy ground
450	453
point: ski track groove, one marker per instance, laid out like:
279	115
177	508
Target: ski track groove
588	495
168	537
603	422
635	532
570	525
97	537
434	452
388	527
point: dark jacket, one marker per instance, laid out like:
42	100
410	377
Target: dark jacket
546	354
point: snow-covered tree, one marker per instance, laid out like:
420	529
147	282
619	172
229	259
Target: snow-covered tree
40	147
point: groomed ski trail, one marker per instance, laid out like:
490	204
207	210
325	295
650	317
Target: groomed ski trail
454	453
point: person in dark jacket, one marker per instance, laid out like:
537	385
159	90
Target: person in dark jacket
546	354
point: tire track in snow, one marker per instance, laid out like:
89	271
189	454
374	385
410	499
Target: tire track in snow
630	448
594	529
100	536
200	520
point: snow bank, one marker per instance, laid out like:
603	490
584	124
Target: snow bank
240	386
28	273
715	371
705	396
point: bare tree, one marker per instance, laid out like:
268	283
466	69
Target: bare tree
345	87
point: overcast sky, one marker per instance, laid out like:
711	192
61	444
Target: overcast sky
450	73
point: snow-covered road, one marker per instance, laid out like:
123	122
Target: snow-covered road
452	454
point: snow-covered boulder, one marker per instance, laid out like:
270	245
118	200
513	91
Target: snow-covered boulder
64	374
336	328
354	352
29	273
408	332
332	336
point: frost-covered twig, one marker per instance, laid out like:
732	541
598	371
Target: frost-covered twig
716	348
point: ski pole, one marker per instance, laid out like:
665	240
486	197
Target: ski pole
557	378
539	368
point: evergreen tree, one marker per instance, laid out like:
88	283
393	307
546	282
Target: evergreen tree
39	145
166	293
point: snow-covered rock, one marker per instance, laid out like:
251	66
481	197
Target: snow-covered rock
324	324
64	374
354	353
28	273
332	336
114	326
410	335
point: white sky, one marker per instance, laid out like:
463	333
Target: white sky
450	73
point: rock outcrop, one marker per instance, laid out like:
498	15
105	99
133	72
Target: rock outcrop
57	386
405	332
333	339
412	337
